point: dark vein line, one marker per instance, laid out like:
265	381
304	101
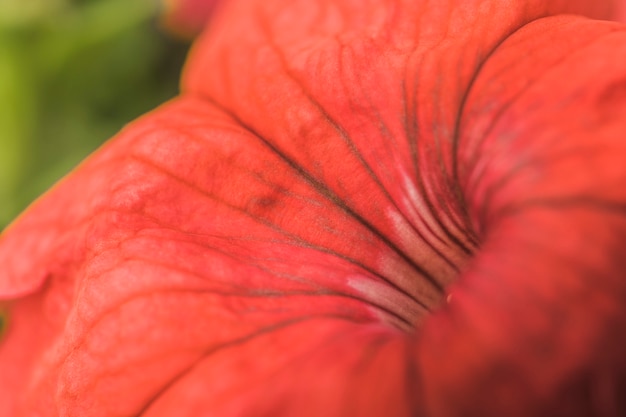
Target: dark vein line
504	108
239	341
385	131
413	136
258	292
517	96
456	134
324	190
296	239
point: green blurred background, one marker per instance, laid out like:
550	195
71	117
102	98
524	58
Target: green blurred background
72	73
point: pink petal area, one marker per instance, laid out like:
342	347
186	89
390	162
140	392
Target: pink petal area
537	325
271	242
308	369
181	257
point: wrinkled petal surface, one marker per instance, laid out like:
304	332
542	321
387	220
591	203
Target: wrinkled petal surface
282	239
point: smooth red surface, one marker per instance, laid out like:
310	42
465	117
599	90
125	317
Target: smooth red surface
282	238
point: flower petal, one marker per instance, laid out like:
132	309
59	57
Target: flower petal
271	242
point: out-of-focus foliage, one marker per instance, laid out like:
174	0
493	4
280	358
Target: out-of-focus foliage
72	73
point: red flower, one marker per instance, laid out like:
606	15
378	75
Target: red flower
280	240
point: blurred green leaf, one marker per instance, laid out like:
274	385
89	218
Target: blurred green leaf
16	112
70	78
14	13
